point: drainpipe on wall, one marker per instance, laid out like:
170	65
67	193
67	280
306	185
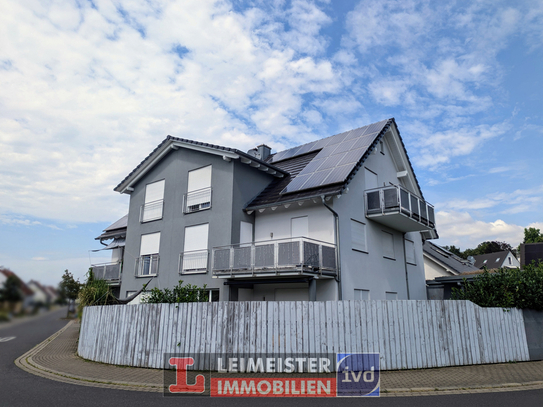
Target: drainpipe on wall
338	258
405	265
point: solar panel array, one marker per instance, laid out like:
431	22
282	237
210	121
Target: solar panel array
338	156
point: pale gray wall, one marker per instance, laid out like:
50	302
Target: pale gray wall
371	271
230	193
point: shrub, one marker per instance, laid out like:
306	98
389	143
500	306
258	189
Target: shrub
506	288
95	292
180	293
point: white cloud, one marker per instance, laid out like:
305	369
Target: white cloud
462	230
88	92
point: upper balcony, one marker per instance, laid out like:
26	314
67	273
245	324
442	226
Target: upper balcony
111	272
399	209
282	257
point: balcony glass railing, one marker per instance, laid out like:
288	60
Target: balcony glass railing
151	211
396	199
111	272
193	262
300	254
197	200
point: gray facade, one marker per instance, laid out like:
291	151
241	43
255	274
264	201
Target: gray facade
324	242
233	185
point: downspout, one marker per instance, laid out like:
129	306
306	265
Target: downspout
336	238
405	265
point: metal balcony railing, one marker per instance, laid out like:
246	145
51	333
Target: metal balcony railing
147	265
276	257
111	272
197	200
395	199
193	262
151	211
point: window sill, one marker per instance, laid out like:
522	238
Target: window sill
146	275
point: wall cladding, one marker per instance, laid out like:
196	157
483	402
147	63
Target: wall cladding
407	334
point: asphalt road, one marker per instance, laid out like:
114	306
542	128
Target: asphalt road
19	388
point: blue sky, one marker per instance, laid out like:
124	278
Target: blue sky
90	88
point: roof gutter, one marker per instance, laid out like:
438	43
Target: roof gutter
338	258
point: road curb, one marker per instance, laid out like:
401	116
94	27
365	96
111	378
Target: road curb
28	364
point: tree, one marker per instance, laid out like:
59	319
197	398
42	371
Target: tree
454	250
482	248
69	288
11	291
532	235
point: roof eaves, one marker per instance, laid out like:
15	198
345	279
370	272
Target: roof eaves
172	142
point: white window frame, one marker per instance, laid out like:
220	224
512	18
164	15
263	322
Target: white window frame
148	259
199	194
195	260
153	207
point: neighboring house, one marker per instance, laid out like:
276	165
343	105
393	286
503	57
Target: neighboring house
338	218
497	260
530	252
115	235
41	294
26	293
439	262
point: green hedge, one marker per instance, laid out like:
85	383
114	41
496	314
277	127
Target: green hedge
506	288
180	293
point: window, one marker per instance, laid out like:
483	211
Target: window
391	295
410	252
147	263
245	232
154	202
388	245
195	254
361	294
510	262
358	236
299	227
198	196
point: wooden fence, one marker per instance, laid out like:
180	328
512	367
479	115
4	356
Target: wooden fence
407	334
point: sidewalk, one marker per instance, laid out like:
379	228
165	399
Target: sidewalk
56	359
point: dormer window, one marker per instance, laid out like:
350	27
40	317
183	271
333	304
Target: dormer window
198	196
154	202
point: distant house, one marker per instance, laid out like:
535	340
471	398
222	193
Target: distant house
41	293
530	252
25	291
503	259
115	236
439	262
339	218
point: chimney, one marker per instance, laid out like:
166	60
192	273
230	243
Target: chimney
263	152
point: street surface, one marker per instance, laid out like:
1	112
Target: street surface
19	388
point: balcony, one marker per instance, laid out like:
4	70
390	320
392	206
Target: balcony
151	211
196	201
111	272
193	262
283	257
399	209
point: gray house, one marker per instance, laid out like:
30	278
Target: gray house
338	218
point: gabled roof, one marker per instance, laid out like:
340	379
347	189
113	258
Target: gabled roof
174	143
326	166
491	260
448	260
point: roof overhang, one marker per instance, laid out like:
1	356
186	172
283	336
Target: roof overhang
172	143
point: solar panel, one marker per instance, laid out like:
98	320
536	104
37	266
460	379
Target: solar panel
336	159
